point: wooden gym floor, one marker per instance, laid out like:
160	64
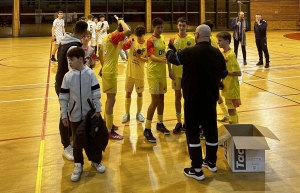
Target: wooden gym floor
31	152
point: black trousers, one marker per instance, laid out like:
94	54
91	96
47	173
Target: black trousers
202	116
261	45
236	47
65	132
94	153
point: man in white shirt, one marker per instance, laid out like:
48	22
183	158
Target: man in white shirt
102	27
92	29
58	31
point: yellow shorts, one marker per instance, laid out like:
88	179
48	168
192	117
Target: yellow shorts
157	85
109	84
176	84
131	82
232	103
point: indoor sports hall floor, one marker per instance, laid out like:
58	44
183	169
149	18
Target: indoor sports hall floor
31	152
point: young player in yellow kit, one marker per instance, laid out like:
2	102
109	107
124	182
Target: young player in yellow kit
135	71
180	41
109	54
156	79
231	91
214	43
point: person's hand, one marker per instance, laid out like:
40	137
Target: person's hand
65	122
97	114
53	38
171	74
163	59
172	47
238	23
138	54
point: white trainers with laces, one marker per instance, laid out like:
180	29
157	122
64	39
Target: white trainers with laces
100	167
68	153
140	117
77	172
126	118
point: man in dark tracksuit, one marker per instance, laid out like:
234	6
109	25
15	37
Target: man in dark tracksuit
260	30
66	43
202	70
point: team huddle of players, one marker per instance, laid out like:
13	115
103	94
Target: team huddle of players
141	51
152	52
93	36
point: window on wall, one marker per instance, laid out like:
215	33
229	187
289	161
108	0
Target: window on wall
133	11
6	9
210	11
193	11
37	16
163	10
221	12
171	10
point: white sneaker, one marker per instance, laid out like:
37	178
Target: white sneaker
140	117
68	153
126	118
100	167
77	172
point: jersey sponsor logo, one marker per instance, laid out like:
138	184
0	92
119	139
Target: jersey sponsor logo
176	44
188	43
155	44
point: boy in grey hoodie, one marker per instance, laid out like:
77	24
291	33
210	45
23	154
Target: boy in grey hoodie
79	86
62	68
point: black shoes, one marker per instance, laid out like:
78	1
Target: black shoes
162	128
53	59
259	63
267	65
211	166
149	136
245	62
178	128
190	172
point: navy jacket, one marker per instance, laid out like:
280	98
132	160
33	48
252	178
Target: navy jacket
260	31
234	27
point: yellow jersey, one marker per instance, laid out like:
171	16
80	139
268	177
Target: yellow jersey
135	67
181	43
156	46
214	41
231	83
111	45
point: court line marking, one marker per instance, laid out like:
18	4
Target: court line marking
139	123
39	175
30	99
38	183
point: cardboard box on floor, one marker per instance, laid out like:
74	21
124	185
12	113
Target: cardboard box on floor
244	146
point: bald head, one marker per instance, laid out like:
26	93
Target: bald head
241	15
202	33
